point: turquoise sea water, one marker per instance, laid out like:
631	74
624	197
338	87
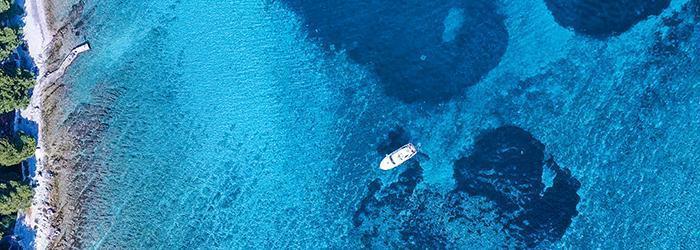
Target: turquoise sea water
236	124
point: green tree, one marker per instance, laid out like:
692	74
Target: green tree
5	5
15	196
7	222
9	40
14	90
12	153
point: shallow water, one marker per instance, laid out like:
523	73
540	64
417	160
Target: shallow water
261	124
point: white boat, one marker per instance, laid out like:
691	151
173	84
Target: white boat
397	157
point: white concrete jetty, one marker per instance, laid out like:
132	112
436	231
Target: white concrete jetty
67	61
74	54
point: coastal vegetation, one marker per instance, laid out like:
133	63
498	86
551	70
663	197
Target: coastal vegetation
5	5
14	90
9	40
16	81
14	196
13	153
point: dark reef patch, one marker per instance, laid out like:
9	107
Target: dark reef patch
505	168
548	217
603	18
378	211
396	138
420	50
680	26
395	211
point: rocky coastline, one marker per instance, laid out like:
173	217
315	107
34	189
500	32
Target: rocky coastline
50	37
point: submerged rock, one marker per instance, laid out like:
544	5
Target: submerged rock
396	138
385	209
504	169
420	50
603	18
679	28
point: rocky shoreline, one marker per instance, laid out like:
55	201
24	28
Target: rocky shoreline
50	38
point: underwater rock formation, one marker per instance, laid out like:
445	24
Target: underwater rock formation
380	213
420	50
603	18
679	29
396	138
394	210
505	168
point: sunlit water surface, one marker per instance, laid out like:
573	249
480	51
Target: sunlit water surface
261	124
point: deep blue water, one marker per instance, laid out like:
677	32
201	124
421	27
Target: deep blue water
236	124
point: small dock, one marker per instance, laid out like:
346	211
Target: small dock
83	47
74	54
